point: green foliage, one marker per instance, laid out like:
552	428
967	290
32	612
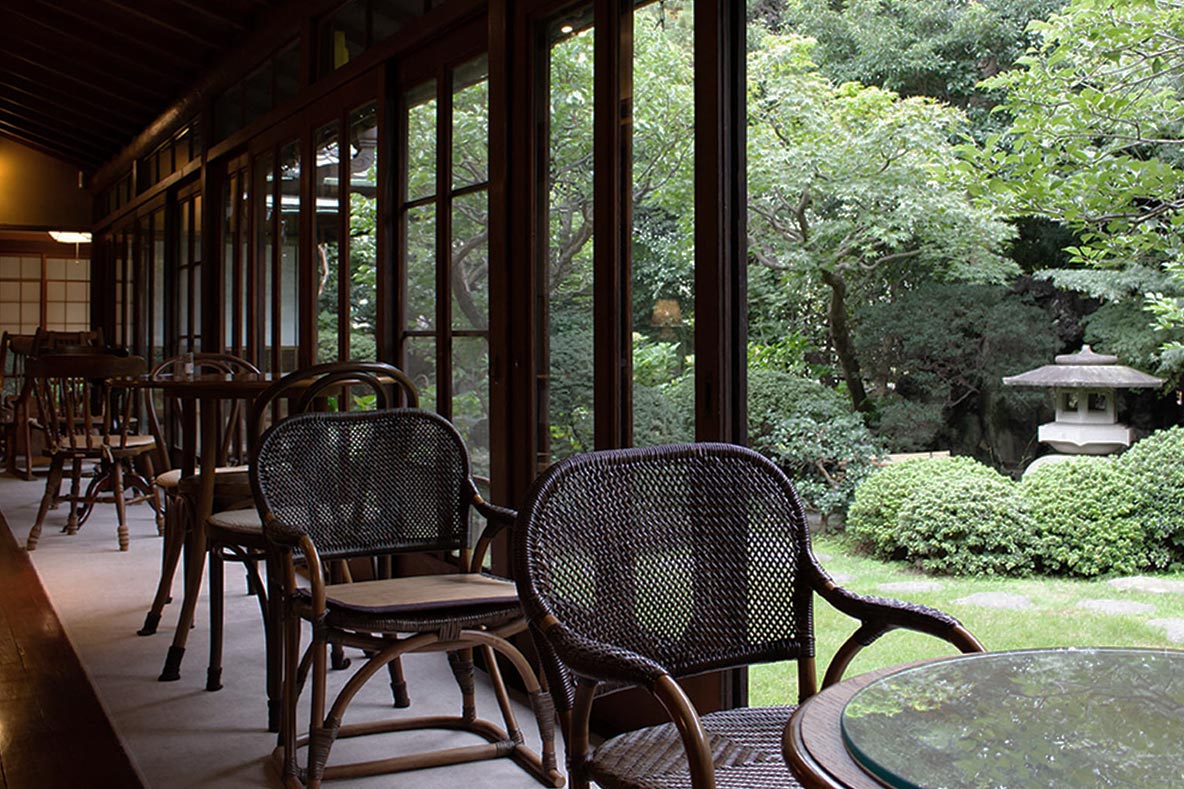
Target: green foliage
1155	468
1084	518
810	431
827	460
966	526
942	349
1095	138
872	520
920	47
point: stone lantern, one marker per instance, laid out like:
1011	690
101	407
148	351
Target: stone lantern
1084	385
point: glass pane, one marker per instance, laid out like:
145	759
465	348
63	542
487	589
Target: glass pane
197	267
257	93
663	252
566	392
421	145
289	316
363	250
158	290
344	37
470	397
287	73
420	232
229	245
328	241
469	280
419	362
264	244
470	124
183	263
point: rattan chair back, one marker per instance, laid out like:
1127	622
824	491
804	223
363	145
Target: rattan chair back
368	482
680	558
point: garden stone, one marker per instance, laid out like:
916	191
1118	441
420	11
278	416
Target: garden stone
1116	606
996	600
1173	627
910	586
1144	583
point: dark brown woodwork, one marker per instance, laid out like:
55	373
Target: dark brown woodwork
720	200
46	701
612	223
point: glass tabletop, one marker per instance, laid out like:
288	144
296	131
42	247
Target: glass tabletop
1044	717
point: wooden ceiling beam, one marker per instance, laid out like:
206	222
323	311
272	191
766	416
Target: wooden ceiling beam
64	152
38	114
112	25
101	64
76	104
207	40
80	141
203	8
38	72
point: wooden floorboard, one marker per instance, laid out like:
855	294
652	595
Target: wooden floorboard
53	730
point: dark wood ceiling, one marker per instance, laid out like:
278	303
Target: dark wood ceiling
79	79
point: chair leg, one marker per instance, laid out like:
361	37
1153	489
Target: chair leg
51	488
75	492
398	683
120	505
290	692
174	542
320	735
217	591
461	662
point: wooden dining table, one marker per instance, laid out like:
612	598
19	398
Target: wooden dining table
1038	717
202	394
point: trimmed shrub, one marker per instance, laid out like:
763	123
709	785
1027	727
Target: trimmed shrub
872	518
1155	469
1083	513
967	526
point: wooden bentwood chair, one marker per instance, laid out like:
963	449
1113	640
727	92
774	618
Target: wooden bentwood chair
642	566
344	485
87	419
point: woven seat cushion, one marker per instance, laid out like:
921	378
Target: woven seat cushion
172	478
745	747
422	603
244	521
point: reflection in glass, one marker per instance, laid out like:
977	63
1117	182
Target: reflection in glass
470	397
265	244
469	278
289	317
363	241
328	164
470	124
663	252
565	391
420	234
421	141
419	362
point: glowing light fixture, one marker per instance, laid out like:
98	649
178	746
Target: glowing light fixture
566	29
69	237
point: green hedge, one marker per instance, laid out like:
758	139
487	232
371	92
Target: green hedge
1155	468
1084	516
872	518
966	525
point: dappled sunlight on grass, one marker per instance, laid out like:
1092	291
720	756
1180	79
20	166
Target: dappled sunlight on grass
1054	618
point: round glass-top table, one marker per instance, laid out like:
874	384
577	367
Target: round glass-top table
1043	717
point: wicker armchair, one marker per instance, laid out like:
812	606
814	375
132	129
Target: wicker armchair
86	419
338	486
642	566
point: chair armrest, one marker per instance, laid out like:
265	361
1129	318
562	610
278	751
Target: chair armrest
878	616
499	518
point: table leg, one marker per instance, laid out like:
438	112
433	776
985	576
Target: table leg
196	544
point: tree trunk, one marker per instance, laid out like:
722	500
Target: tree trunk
840	334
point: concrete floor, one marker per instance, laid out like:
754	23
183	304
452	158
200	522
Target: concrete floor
180	735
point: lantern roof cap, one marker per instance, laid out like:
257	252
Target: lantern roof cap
1085	369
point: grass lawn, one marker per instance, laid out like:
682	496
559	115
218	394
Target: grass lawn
1055	618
